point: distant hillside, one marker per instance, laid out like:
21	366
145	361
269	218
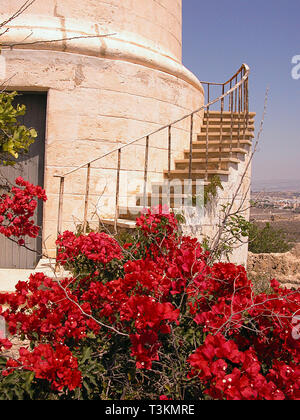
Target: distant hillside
276	185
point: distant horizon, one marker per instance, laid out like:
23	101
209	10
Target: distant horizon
272	185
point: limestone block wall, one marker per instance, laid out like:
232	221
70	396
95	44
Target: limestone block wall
102	93
156	24
237	186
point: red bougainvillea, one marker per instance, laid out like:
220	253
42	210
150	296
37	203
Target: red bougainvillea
96	247
56	365
17	210
243	347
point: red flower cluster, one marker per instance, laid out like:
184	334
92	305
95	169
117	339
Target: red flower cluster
231	374
40	310
5	344
97	247
57	365
246	350
158	221
17	210
250	346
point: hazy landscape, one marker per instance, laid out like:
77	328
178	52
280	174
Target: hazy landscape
280	208
287	220
278	202
282	185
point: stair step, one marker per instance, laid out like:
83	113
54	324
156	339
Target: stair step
201	143
211	160
161	184
225	150
227	121
227	114
121	223
236	118
131	213
211	166
226	128
159	195
155	199
200	173
225	136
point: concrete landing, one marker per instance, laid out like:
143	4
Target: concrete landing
10	277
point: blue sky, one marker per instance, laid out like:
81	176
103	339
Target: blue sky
219	35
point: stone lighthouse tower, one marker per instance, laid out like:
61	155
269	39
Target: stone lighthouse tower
109	72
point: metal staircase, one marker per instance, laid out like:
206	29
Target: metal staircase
225	137
225	147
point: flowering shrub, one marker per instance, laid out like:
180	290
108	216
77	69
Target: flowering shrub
17	210
159	222
56	365
165	324
95	253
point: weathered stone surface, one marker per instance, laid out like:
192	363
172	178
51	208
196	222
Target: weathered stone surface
285	267
88	115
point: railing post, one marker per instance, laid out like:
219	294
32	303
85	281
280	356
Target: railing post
169	150
244	86
86	200
221	129
169	165
230	99
235	105
245	93
117	213
231	124
207	133
245	123
191	146
247	102
239	110
60	205
146	170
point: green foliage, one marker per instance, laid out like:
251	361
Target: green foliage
180	218
238	227
81	266
266	240
17	386
107	375
15	138
234	232
210	190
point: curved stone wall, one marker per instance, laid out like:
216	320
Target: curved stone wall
102	92
157	22
153	39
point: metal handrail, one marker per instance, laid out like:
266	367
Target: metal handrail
245	66
164	127
243	71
